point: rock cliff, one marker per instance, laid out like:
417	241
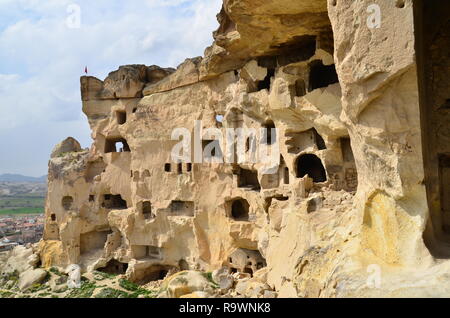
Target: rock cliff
359	202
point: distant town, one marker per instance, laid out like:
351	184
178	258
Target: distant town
19	230
21	211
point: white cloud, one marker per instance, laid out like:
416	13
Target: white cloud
41	60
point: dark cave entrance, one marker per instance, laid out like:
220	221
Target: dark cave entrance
240	210
67	202
270	133
266	83
321	76
116	145
114	267
248	179
121	117
312	166
432	33
114	202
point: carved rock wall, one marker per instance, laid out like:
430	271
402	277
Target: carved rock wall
348	193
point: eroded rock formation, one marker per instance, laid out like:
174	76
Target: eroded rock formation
349	197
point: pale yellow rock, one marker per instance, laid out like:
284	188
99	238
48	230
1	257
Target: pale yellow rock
348	201
190	284
31	277
19	260
66	146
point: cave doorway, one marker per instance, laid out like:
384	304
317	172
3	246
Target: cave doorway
248	179
240	210
114	202
265	84
312	166
114	267
116	145
269	133
321	75
121	117
67	202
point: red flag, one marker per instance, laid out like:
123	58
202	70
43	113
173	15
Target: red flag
86	70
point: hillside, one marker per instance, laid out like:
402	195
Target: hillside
21	178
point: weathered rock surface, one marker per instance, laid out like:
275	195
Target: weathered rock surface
352	209
20	260
187	284
68	145
31	277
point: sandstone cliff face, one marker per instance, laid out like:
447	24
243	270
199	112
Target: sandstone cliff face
347	197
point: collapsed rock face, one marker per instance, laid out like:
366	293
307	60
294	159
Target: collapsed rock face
347	193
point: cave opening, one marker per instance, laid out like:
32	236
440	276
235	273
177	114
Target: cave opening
154	273
299	48
94	168
321	75
347	152
121	117
67	202
312	166
183	265
147	252
116	145
270	133
444	182
286	175
432	31
300	88
92	241
300	141
248	179
147	210
246	261
182	208
211	149
114	267
266	83
114	202
240	210
320	142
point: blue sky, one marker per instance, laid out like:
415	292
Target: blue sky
42	57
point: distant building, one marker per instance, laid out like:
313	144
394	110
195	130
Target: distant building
7	245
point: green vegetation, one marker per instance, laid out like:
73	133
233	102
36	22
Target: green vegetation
89	288
112	293
22	204
9	281
22	201
102	276
39	286
86	290
6	294
24	211
209	277
126	284
136	289
55	271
